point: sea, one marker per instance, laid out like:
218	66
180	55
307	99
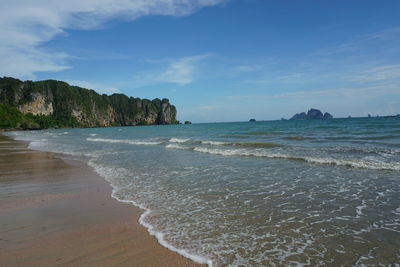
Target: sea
270	193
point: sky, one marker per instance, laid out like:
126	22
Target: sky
216	60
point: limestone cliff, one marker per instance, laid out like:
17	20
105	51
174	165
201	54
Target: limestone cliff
38	106
53	103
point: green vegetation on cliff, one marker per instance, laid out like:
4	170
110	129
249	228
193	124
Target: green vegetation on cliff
11	117
50	103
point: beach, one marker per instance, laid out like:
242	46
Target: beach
283	193
56	211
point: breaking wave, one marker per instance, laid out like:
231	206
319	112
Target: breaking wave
329	161
125	141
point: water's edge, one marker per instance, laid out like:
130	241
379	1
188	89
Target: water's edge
241	194
150	228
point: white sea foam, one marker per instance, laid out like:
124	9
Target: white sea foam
124	141
179	140
176	146
360	208
93	134
37	144
214	143
204	142
294	199
355	163
373	165
108	173
397	211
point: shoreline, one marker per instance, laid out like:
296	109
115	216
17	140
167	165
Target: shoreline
159	236
57	210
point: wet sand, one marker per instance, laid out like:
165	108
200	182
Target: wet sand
57	212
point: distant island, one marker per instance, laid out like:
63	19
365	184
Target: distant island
56	104
312	114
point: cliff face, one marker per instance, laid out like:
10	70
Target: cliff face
52	103
38	106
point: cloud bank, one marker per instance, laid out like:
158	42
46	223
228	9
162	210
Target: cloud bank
25	25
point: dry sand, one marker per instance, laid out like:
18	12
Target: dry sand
57	211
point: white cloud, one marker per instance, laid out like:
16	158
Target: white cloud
182	71
179	71
341	93
23	62
248	68
362	42
207	107
294	77
340	101
346	92
25	25
377	74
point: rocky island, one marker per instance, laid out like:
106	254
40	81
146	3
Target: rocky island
50	103
312	114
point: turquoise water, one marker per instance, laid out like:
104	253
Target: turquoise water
255	194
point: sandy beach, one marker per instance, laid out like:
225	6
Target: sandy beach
57	212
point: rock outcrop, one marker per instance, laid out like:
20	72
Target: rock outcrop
37	106
312	114
327	116
53	103
299	116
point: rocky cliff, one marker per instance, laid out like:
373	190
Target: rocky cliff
312	114
51	103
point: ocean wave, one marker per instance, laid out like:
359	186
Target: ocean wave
380	137
355	163
55	133
362	138
215	143
256	144
223	143
235	136
363	150
328	127
179	140
338	138
241	144
192	141
176	146
299	138
108	173
124	141
264	133
328	161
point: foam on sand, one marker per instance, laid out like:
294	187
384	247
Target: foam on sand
108	173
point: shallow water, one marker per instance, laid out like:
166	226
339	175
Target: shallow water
264	193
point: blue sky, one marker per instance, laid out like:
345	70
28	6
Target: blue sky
216	60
